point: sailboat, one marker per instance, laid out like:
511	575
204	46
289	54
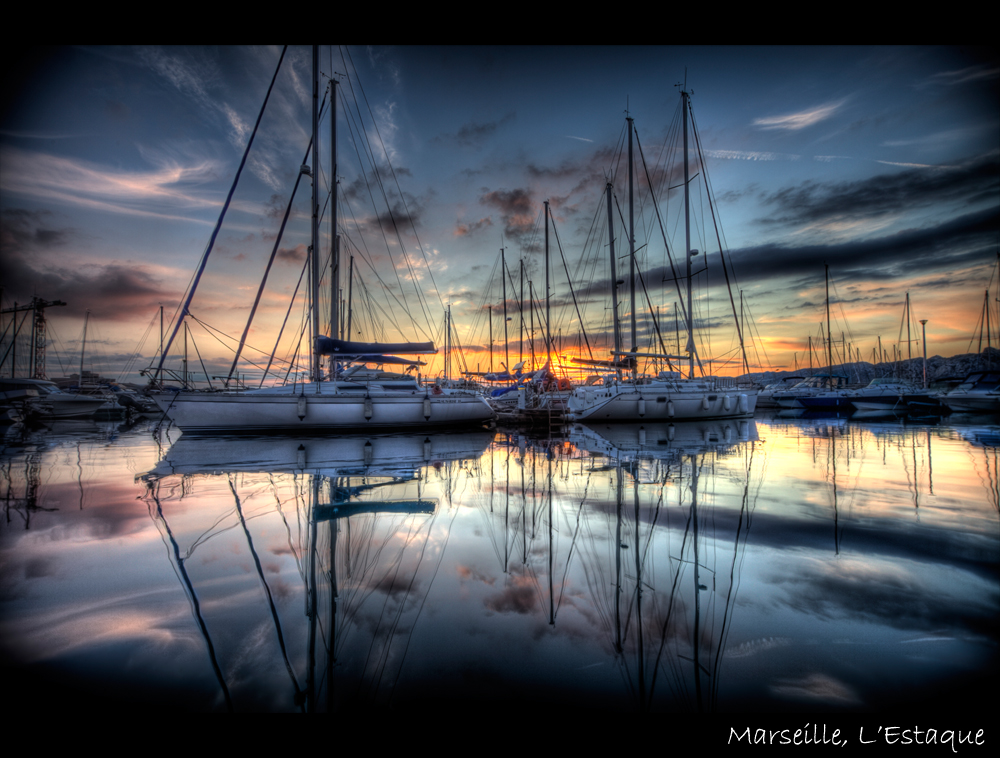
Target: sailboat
351	397
668	396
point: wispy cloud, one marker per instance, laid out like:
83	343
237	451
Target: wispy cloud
801	119
950	136
384	136
474	134
982	72
197	76
75	182
464	230
751	155
911	165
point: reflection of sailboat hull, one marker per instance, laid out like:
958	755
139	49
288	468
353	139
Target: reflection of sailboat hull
199	412
341	455
659	439
650	402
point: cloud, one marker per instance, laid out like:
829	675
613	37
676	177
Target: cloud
971	183
518	210
475	134
295	255
980	73
953	245
111	290
197	74
465	230
161	192
800	120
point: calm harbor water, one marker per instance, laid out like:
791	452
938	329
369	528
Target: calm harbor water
780	565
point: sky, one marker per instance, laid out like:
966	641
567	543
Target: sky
881	162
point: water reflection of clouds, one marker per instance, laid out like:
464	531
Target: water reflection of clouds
158	619
903	595
816	687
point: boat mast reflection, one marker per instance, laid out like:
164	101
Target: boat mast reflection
360	540
659	619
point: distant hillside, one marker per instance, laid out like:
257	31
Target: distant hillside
912	370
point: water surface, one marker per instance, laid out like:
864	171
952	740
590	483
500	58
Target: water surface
778	565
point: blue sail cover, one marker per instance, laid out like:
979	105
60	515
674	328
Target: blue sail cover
330	346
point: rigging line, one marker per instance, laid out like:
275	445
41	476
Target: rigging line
283	323
297	345
378	180
363	141
401	196
393	266
394	624
663	233
365	256
458	342
202	362
718	233
193	598
420	609
386	289
138	350
757	341
270	261
593	243
571	290
652	315
482	312
733	582
670	606
267	590
379	660
569	557
215	233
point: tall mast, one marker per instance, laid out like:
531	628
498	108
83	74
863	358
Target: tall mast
83	347
531	322
687	237
159	376
503	278
520	339
315	369
631	243
746	363
350	297
335	320
829	334
548	329
614	278
986	309
909	343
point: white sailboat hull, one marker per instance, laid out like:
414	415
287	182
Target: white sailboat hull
660	403
310	411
